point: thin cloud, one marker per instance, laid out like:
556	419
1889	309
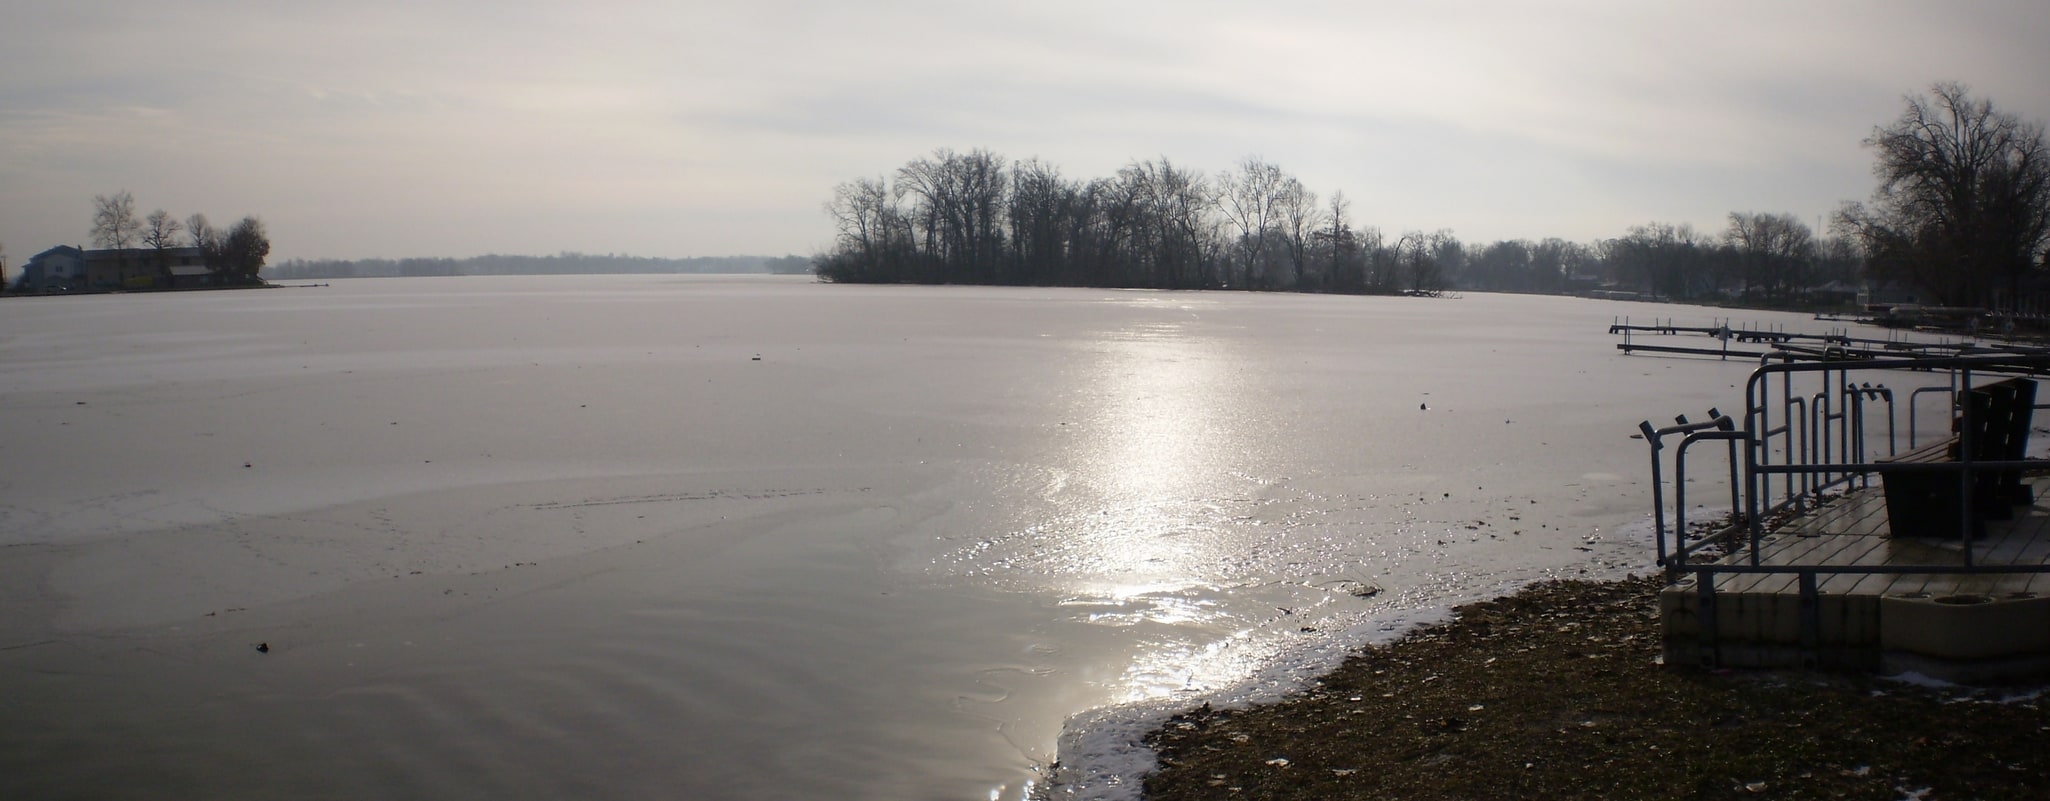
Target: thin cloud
406	128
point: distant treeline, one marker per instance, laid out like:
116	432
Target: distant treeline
973	218
559	264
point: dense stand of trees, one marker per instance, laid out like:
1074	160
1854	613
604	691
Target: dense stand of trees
1760	259
972	218
975	218
1962	216
234	256
237	255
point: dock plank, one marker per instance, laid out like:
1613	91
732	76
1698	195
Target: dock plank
1761	610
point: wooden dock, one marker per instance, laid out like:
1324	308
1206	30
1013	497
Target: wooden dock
1958	626
1834	346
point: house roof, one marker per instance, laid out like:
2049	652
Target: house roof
139	253
58	251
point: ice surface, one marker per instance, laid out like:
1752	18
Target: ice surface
759	537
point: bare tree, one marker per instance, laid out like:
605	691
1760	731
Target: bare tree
205	238
1838	258
1661	258
1345	266
1555	260
958	200
1250	199
865	213
1122	239
114	223
1383	261
1041	204
160	232
1421	257
1775	251
1174	223
1449	254
1504	265
1297	209
199	230
1963	205
875	237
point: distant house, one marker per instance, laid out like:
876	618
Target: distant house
145	268
59	269
1582	284
68	269
1834	293
191	273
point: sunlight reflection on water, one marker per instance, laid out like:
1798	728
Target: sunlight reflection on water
1164	456
1158	447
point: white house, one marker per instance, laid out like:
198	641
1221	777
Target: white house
59	269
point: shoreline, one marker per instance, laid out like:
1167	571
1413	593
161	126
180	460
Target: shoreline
1557	689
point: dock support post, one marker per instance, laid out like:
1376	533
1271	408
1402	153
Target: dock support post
1704	612
1811	621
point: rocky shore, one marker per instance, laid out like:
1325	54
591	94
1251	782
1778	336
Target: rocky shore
1559	692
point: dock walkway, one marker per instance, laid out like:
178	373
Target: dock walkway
1961	626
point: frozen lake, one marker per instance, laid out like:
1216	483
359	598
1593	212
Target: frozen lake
700	537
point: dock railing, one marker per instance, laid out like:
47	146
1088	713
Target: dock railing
1794	449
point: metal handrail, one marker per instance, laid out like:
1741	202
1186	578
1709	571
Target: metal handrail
1655	437
1950	399
1821	443
1758	416
1726	433
1822	439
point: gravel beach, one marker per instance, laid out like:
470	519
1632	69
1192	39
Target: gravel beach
1558	692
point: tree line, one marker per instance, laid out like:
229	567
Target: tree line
233	256
1962	216
974	218
971	218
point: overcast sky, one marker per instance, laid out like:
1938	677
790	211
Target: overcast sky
390	128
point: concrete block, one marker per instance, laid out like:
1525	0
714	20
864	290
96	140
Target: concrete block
1965	626
1677	615
1780	618
1850	621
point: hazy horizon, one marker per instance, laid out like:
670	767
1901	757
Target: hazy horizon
406	130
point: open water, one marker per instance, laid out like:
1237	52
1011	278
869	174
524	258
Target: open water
712	538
